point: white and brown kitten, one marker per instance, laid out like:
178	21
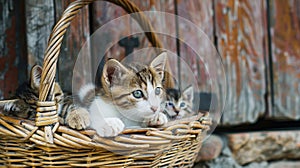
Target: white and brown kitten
130	96
179	104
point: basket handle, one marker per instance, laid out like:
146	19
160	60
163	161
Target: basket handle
46	107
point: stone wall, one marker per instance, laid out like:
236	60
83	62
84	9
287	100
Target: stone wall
265	149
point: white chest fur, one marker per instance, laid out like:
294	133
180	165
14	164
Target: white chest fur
100	109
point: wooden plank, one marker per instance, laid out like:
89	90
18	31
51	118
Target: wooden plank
76	36
104	12
199	13
160	23
39	23
285	36
240	39
12	46
105	38
157	12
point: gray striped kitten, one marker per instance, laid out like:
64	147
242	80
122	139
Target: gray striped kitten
179	104
27	94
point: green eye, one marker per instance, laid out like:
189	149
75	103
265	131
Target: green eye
137	94
157	90
182	104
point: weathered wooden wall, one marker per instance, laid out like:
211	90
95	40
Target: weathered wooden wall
257	65
76	36
12	46
203	20
240	36
39	22
285	46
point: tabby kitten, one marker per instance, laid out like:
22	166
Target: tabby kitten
130	96
179	104
27	94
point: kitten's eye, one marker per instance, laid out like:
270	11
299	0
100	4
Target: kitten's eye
137	94
170	104
182	104
157	90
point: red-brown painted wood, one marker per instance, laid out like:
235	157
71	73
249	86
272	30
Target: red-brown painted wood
285	36
241	37
199	13
12	47
76	36
104	12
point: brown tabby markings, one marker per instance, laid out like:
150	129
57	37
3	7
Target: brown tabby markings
138	80
179	104
130	96
119	83
27	94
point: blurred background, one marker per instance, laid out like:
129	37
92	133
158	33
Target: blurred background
258	40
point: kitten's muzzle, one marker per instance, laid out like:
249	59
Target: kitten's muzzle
176	111
154	108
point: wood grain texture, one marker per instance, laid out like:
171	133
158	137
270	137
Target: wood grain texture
105	37
240	39
12	47
104	12
160	23
76	36
285	35
199	13
161	17
108	37
39	22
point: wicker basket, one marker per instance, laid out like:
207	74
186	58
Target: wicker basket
45	143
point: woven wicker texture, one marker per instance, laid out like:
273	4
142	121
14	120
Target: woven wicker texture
45	143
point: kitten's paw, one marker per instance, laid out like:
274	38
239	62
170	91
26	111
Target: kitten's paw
205	120
157	120
112	127
16	106
78	119
18	109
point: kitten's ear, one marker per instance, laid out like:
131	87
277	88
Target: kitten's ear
188	94
159	64
113	70
35	76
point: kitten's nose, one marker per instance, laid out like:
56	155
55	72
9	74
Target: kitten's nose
154	109
176	111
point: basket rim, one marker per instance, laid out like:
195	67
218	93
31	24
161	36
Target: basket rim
137	138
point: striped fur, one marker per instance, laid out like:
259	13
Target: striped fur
179	104
130	96
27	94
74	115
